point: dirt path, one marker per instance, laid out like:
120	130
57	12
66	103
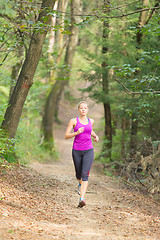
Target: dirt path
40	202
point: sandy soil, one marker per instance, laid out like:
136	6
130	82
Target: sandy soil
40	201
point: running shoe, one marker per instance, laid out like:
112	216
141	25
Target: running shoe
79	189
82	203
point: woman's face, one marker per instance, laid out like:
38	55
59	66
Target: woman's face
83	109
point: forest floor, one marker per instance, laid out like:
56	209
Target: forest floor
39	201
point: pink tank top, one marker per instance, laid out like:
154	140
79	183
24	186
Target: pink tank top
83	140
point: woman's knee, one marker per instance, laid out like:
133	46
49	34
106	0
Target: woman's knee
85	176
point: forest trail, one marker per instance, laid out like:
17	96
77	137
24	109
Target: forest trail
40	202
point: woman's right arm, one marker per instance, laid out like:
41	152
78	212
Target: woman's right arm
68	133
71	124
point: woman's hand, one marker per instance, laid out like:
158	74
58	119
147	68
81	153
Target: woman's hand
96	138
80	130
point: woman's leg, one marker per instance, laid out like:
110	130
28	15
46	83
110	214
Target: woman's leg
77	160
87	162
84	186
80	181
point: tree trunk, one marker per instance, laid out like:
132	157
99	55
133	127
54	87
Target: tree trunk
50	113
25	79
59	36
20	51
56	40
56	44
133	139
123	138
48	118
15	70
142	21
51	47
134	123
107	146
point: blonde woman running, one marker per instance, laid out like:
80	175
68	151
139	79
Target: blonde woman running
82	152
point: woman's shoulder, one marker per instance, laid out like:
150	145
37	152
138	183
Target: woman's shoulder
92	121
73	121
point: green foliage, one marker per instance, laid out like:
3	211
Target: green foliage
7	148
3	101
136	67
19	21
116	150
108	173
29	144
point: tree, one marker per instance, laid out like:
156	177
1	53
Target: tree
57	43
126	59
19	50
135	66
25	79
50	113
107	146
143	20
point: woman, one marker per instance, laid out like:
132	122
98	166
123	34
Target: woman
82	152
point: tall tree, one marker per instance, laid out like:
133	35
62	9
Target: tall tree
56	39
25	79
143	20
20	48
53	98
105	83
51	46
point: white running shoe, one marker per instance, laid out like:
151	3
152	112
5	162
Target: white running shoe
79	189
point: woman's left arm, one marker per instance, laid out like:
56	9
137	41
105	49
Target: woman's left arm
96	138
93	134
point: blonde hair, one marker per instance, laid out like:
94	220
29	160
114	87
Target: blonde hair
79	103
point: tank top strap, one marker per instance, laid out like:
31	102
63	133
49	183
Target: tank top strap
77	118
78	122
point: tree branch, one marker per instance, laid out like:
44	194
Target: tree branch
4	58
135	93
106	165
7	17
108	17
125	5
150	15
